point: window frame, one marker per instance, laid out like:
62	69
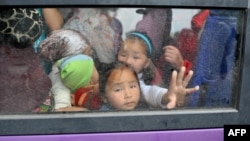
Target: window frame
127	121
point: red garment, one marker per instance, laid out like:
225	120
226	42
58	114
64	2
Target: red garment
187	40
91	99
187	43
198	20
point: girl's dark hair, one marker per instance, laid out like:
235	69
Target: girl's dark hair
149	72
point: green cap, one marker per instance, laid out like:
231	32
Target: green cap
76	71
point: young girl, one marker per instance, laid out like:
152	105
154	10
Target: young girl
120	88
136	52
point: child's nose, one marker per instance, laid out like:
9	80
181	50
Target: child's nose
127	93
129	61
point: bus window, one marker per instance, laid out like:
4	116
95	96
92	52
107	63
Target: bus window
103	68
206	41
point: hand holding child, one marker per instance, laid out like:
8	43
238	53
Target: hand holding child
177	90
173	56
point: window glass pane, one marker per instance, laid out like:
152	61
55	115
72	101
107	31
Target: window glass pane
64	59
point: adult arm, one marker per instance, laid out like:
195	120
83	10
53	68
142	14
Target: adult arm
53	18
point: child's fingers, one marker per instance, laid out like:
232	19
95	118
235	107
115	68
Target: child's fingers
170	56
173	52
187	78
192	90
173	79
171	105
180	104
181	98
180	76
169	47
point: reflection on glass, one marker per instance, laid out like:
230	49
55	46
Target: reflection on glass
44	69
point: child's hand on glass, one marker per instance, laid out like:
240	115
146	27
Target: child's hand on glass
177	91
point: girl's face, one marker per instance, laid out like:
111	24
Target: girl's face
122	90
134	53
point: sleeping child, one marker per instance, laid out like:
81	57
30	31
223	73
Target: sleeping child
78	89
65	49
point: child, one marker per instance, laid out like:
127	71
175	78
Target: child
136	52
120	88
58	45
79	77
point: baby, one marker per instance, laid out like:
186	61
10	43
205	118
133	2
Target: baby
60	48
79	77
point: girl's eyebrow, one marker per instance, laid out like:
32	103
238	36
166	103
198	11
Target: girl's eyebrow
138	53
118	83
121	83
134	81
